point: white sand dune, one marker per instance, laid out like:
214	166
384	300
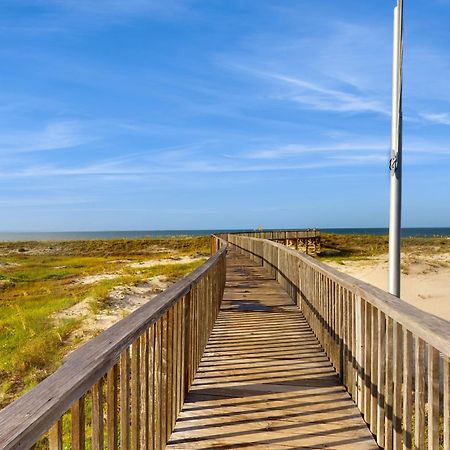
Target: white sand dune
425	279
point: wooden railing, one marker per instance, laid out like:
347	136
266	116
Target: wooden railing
276	234
307	241
124	388
392	357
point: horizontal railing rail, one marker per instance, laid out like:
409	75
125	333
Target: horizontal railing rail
276	234
392	357
125	387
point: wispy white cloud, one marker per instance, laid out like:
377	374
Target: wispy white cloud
324	98
438	118
293	150
342	69
53	136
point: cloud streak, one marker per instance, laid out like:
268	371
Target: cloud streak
437	118
323	98
53	136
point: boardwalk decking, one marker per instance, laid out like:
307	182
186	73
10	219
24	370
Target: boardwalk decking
264	381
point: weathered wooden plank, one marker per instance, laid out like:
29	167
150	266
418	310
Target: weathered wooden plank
397	412
169	352
446	404
78	425
111	408
433	398
164	370
407	389
359	342
419	395
125	400
151	386
381	377
97	427
55	436
257	387
157	423
143	377
389	387
374	373
135	394
367	361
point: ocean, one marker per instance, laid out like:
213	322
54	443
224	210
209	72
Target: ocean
80	235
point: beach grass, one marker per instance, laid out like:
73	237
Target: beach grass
40	279
339	247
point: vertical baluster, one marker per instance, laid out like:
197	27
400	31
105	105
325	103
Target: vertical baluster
157	369
169	393
78	424
419	395
337	330
351	323
446	403
326	300
331	310
151	386
397	380
348	341
97	416
175	364
125	400
359	336
194	341
164	394
341	333
374	373
111	408
388	424
344	337
433	398
179	358
407	389
185	345
381	377
367	360
55	436
143	377
135	391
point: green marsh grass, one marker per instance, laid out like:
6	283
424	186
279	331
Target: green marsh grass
39	279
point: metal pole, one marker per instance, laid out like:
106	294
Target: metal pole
395	164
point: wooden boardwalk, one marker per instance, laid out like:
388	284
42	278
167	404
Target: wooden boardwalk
264	381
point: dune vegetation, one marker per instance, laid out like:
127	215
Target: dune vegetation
359	246
38	280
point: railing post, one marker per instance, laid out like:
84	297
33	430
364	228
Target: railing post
359	340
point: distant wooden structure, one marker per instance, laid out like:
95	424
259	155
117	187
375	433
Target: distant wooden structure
261	347
307	241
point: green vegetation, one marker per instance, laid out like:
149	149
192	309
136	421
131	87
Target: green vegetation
39	279
357	246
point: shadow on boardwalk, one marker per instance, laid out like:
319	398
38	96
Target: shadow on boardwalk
264	382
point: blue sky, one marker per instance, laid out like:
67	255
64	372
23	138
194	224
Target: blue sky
144	114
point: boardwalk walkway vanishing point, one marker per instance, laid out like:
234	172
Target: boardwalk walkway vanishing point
264	381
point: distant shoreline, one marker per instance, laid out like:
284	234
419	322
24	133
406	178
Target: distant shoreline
88	235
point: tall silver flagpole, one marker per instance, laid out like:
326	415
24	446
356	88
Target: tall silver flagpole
395	164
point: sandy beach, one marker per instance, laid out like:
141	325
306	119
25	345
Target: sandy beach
425	281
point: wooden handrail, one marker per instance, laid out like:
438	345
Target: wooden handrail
433	329
172	320
393	358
